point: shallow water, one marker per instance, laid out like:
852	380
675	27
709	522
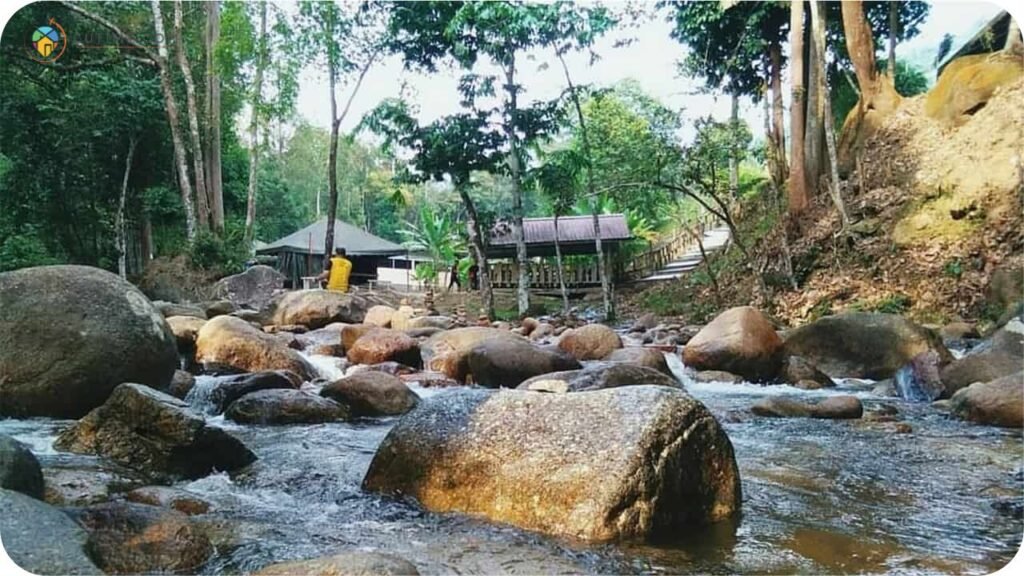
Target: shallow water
818	497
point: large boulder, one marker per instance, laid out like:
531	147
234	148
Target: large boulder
253	288
227	341
225	391
352	332
967	84
1001	355
633	462
590	342
863	345
156	434
40	538
318	308
999	402
372	393
834	407
599	376
345	564
740	340
641	356
448	352
507	362
70	334
379	315
169	309
130	538
284	407
19	469
385	345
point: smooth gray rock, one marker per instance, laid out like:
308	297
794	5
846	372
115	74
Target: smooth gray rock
40	538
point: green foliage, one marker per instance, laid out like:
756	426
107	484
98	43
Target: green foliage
24	250
893	304
221	255
953	268
436	234
910	81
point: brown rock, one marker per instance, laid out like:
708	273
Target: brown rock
528	325
372	393
590	342
167	497
228	341
505	363
379	315
641	356
448	352
181	384
385	345
352	332
862	345
707	376
1001	355
437	322
833	407
402	317
796	370
665	464
998	403
739	340
129	538
318	308
185	329
598	376
428	380
281	406
542	331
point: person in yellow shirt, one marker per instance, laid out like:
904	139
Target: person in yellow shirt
337	271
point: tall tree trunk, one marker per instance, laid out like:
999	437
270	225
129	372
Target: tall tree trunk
814	129
1013	36
213	141
561	270
119	227
606	285
202	195
818	38
734	153
515	171
861	47
894	23
147	240
257	109
479	250
171	105
797	180
778	112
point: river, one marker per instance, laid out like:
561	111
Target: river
819	496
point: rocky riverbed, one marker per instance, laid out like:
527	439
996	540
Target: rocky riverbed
636	463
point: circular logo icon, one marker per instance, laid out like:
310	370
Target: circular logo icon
48	43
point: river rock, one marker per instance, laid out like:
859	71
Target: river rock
40	538
167	497
19	469
590	342
740	340
631	462
379	315
253	288
231	388
156	434
352	332
998	403
70	334
543	331
318	308
438	322
84	483
641	356
799	372
506	363
919	380
228	341
345	564
168	309
644	323
833	407
709	376
130	538
421	333
185	330
181	384
284	407
372	393
862	345
392	368
402	317
1001	355
428	380
385	345
598	376
958	332
448	352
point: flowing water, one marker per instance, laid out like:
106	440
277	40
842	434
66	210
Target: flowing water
818	497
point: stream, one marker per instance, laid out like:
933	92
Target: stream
819	496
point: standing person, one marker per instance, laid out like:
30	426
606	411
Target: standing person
474	277
337	271
453	278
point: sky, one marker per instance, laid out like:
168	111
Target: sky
651	59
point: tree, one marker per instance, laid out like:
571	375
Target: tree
214	177
798	198
558	179
254	123
199	171
818	37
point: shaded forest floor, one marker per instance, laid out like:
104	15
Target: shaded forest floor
937	231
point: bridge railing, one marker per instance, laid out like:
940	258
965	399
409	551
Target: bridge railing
660	255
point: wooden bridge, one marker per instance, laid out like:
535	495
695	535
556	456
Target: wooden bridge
657	262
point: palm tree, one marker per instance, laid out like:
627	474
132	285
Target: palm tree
437	235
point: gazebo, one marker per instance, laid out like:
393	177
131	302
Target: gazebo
575	237
300	254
